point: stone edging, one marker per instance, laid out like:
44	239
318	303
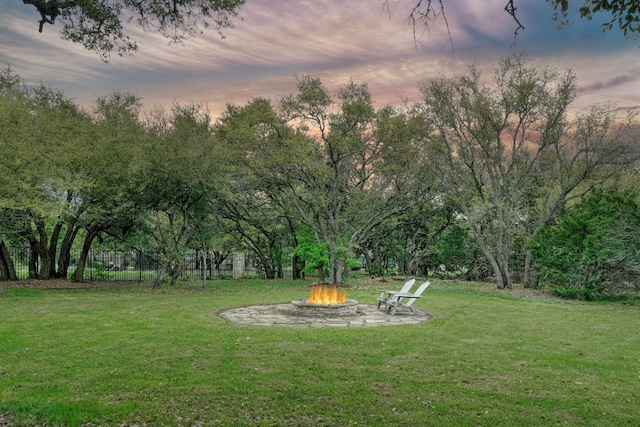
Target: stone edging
276	315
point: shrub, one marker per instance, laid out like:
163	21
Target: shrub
594	249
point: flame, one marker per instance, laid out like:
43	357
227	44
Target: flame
324	294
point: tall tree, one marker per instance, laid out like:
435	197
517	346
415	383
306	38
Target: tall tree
107	201
503	143
256	140
180	178
344	186
43	138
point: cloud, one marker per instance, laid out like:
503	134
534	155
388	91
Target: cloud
613	82
337	40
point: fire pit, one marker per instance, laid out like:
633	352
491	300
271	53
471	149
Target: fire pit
325	301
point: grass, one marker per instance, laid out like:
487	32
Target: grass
133	356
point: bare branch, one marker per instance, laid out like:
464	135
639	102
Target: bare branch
511	9
425	13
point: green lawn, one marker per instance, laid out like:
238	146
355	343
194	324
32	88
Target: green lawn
135	356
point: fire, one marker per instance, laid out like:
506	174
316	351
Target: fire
325	294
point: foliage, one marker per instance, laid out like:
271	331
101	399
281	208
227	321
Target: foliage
506	150
312	253
101	25
402	187
427	239
624	14
352	178
179	183
594	249
251	207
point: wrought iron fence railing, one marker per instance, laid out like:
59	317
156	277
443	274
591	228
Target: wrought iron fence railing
127	265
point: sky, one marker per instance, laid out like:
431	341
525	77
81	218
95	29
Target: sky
336	40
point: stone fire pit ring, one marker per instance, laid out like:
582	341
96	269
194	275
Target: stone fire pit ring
284	314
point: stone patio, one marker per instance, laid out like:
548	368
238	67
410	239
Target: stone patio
277	314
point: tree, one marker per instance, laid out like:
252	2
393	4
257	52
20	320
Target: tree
593	249
625	14
510	155
43	136
347	180
106	201
100	25
595	147
179	179
255	140
421	240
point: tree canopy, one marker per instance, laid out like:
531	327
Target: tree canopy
475	178
99	25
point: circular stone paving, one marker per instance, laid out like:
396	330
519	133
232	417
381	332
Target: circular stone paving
279	315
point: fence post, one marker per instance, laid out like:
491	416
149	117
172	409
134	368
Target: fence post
238	264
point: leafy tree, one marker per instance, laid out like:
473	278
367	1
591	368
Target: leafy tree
594	249
179	179
255	140
420	240
345	184
43	138
595	147
100	25
312	253
488	139
506	146
106	202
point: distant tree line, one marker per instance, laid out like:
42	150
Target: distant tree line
466	180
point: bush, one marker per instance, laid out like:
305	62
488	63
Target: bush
594	249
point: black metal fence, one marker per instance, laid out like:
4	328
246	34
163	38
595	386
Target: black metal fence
134	265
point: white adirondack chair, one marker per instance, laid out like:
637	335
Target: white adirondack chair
384	295
397	299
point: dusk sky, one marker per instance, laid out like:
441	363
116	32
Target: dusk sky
336	40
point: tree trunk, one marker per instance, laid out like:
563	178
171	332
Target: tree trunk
78	274
505	275
368	262
530	276
297	267
502	278
268	271
204	265
335	267
33	257
7	268
64	259
53	249
176	271
163	268
44	271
